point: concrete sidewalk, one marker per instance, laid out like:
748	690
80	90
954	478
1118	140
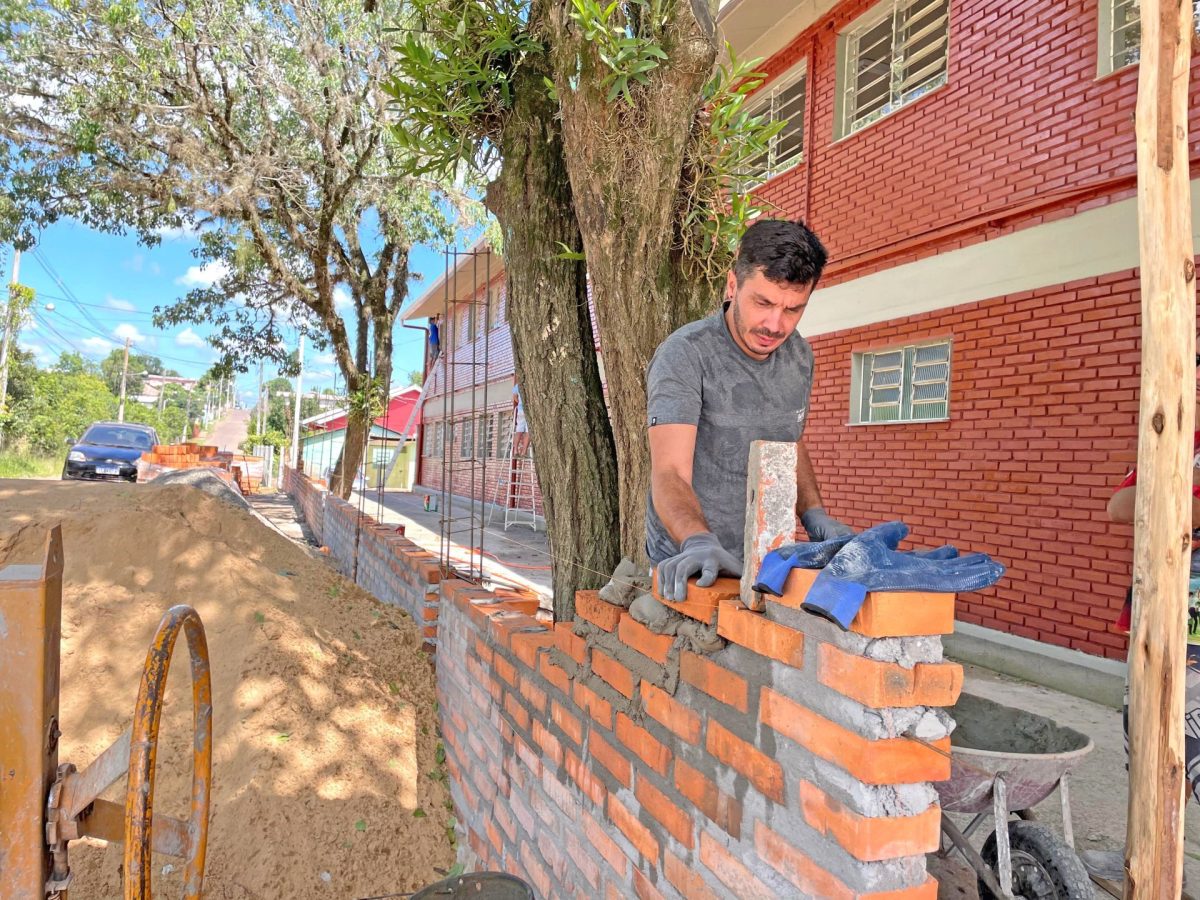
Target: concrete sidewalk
1099	787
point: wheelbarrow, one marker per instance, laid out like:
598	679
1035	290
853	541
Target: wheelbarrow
1005	761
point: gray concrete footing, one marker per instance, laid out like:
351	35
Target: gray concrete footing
1069	671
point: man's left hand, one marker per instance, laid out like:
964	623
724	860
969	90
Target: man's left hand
821	526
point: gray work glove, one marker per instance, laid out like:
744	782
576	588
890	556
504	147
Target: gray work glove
701	553
821	526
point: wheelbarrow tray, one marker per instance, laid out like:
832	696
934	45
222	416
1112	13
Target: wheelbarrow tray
1032	752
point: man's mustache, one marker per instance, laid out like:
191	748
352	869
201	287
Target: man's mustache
764	332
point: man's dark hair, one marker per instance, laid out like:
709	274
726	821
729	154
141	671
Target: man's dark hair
785	252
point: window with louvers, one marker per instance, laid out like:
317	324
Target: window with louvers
782	101
902	384
895	54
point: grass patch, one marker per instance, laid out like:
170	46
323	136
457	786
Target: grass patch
23	465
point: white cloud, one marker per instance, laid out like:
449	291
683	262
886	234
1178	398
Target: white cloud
117	303
185	232
189	338
134	263
41	353
317	375
325	359
342	299
203	276
126	331
97	345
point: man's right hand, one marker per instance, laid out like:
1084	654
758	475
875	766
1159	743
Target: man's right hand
701	553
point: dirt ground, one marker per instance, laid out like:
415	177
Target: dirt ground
327	774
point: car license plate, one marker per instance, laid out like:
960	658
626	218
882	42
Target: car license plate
108	470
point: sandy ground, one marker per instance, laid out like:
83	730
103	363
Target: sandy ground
326	773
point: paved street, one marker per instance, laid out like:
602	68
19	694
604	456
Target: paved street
230	430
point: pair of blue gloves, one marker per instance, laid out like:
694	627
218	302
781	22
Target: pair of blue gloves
852	565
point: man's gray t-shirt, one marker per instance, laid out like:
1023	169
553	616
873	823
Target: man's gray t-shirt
699	376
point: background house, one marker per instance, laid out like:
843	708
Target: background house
323	435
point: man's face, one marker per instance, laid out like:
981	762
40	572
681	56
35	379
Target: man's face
765	312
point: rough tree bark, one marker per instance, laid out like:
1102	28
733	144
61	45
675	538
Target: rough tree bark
625	164
553	342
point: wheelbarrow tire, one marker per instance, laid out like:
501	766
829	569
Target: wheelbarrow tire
1038	852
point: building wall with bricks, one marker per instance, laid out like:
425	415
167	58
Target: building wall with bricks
594	758
597	759
376	557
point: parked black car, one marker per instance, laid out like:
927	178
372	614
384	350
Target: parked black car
108	451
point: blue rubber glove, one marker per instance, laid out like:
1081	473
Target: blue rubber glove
871	562
701	553
821	526
776	565
779	562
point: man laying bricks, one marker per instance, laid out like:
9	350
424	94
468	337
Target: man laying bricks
742	374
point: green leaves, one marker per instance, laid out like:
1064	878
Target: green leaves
626	39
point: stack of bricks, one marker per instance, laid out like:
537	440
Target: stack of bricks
597	759
172	457
377	557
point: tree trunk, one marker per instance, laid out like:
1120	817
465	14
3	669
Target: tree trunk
625	165
553	343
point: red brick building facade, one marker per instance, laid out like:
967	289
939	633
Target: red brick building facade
970	166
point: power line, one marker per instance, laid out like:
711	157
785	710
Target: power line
49	270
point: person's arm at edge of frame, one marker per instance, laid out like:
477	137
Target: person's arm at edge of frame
1122	504
672	450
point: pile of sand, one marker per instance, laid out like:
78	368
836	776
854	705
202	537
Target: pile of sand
326	772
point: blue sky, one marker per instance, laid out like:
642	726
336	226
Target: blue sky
116	283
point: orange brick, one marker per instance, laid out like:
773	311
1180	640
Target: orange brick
570	643
518	712
612	671
506	624
556	675
731	872
764	773
610	757
887	761
609	850
643	888
643	640
701	603
880	684
670	713
867	838
884	613
797	867
597	707
677	822
639	835
722	809
647	748
482	650
505	670
548	742
593	788
758	633
534	694
714	680
686	880
569	723
602	614
527	644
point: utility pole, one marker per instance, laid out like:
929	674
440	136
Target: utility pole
124	376
258	418
187	418
1163	511
296	417
162	394
8	330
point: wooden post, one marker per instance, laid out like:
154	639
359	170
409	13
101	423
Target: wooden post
1162	529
